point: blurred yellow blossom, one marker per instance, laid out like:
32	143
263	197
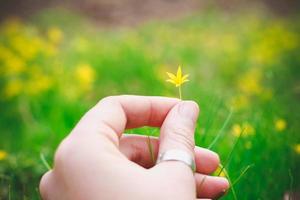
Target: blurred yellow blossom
13	88
236	130
85	74
239	102
246	128
3	155
220	173
280	125
55	35
36	85
250	83
297	148
14	65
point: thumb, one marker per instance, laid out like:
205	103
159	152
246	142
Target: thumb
177	131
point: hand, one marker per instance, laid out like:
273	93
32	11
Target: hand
97	161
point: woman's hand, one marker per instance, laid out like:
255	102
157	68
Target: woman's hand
97	161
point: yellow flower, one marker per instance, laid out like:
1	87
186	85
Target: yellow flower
55	35
246	128
297	148
250	83
3	155
220	173
177	79
85	75
236	130
280	125
13	88
239	102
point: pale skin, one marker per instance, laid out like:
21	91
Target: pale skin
97	161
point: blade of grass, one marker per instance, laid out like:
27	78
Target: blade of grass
231	152
150	147
9	192
220	133
211	118
291	183
242	174
44	161
230	182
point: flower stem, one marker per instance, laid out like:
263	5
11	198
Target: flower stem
179	89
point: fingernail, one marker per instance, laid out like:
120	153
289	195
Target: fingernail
189	109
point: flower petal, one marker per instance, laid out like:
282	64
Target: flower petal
185	77
179	73
171	81
171	75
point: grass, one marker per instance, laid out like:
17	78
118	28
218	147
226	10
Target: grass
245	63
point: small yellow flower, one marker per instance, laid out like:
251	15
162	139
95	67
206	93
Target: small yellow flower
280	125
85	74
220	173
236	130
13	88
3	155
55	35
297	148
177	79
246	129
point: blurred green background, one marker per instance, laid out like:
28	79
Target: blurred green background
58	58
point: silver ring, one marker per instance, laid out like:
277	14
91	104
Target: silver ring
177	155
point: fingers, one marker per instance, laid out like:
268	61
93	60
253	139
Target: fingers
136	149
44	185
206	161
177	131
113	114
210	186
48	187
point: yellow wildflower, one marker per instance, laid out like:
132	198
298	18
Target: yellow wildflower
177	79
280	125
85	75
55	35
250	83
3	155
220	173
239	102
236	130
13	88
246	128
14	65
297	148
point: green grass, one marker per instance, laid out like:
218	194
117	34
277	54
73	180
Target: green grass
246	64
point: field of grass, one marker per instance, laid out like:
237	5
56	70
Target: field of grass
244	73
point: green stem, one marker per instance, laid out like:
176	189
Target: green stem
150	147
179	89
44	161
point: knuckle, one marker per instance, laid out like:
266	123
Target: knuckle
108	99
182	135
63	152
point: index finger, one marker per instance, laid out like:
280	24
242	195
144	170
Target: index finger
112	115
